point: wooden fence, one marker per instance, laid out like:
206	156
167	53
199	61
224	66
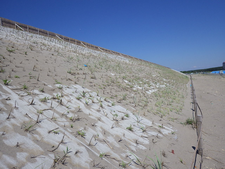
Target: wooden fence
197	117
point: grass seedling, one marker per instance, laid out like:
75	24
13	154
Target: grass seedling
40	111
67	151
92	100
189	121
115	115
99	99
126	115
113	104
130	128
138	162
28	127
161	126
58	97
6	82
25	87
86	102
71	125
156	164
138	118
60	87
78	98
143	129
44	99
101	155
56	132
97	93
10	50
181	161
57	82
123	164
42	90
83	94
16	76
101	105
81	133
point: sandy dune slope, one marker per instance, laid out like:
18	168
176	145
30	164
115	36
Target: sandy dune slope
65	106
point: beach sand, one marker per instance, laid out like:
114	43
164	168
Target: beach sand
56	112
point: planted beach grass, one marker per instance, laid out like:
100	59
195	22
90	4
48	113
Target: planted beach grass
73	91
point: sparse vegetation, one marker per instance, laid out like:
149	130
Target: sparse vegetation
116	79
10	50
130	128
78	98
25	87
60	87
27	127
123	164
189	121
57	82
101	155
40	111
45	99
6	82
81	133
156	164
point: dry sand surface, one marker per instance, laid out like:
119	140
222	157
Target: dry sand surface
210	92
116	112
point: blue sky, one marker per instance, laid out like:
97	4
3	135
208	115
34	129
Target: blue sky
180	34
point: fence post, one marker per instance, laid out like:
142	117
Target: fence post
1	21
199	126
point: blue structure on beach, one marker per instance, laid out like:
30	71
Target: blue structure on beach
218	72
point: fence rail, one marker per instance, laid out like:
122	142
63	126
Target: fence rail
23	27
197	117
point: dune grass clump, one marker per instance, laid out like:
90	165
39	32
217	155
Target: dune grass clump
130	128
45	99
57	82
10	50
6	82
189	121
101	155
81	133
25	87
156	164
